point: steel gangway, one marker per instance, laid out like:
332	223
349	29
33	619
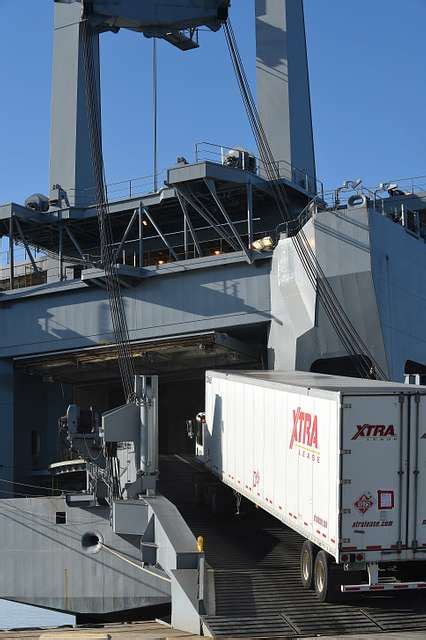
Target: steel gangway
253	582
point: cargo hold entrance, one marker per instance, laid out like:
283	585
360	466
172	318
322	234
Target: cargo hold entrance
90	377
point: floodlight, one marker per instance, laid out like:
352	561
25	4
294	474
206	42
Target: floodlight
263	244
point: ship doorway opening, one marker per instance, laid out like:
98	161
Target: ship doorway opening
179	400
90	378
180	396
349	366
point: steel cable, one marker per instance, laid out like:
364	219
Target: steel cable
352	342
116	303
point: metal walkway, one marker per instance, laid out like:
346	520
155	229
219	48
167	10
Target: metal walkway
255	567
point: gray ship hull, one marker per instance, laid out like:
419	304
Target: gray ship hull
48	565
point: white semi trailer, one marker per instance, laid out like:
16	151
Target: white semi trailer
341	461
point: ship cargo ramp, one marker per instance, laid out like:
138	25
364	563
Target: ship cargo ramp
253	564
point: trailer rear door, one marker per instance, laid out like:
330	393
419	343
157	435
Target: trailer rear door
417	476
375	440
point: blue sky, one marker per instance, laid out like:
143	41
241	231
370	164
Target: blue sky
368	93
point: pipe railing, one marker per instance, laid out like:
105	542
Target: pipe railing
339	201
120	190
219	154
410	186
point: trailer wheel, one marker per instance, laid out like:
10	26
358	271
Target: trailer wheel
307	561
325	579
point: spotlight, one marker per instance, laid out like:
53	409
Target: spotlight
264	244
351	184
387	186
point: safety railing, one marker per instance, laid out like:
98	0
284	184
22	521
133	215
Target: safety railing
221	154
204	151
23	275
19	255
410	186
119	190
129	250
135	186
339	202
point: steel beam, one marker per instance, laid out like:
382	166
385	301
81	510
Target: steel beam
27	248
250	215
126	234
185	238
75	243
160	233
140	236
155	114
195	204
189	223
212	189
11	255
61	251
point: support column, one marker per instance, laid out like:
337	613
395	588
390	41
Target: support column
61	251
140	236
70	154
11	255
249	215
6	424
283	92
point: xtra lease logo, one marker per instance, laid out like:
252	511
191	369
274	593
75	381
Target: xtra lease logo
305	434
375	432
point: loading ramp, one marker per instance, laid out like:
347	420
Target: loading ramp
254	569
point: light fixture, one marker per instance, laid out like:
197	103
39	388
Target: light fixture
160	262
387	186
145	222
263	244
351	184
348	185
217	252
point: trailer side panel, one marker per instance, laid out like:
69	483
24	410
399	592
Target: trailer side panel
279	448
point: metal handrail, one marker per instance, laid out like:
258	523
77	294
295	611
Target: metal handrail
411	185
129	188
217	153
20	256
332	202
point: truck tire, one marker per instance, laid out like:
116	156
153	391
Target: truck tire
326	580
307	562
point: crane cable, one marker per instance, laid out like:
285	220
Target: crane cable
116	303
355	346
